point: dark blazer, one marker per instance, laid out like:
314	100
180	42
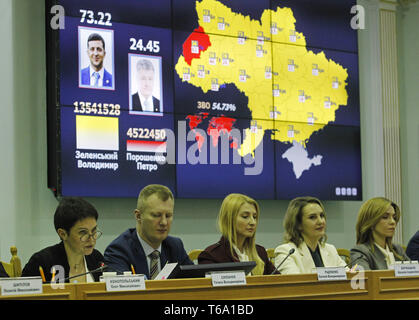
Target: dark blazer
85	78
127	249
56	255
412	249
3	273
136	103
362	255
220	252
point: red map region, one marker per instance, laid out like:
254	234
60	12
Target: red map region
194	121
234	144
203	44
218	125
200	139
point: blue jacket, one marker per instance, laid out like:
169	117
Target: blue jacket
412	249
85	78
126	250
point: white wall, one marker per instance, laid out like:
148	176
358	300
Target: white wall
7	137
408	44
26	216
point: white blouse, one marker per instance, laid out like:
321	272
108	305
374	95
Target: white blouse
389	256
242	256
89	277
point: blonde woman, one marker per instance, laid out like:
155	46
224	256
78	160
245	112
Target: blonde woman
237	221
375	227
305	233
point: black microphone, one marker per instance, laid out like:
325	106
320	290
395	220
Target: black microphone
351	263
100	269
289	253
408	258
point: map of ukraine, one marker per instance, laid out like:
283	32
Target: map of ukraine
292	92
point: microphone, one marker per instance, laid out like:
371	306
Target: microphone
289	253
351	263
102	267
408	258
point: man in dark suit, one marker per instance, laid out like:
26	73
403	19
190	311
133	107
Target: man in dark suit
143	99
412	249
148	247
95	75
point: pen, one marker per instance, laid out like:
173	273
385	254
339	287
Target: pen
354	268
132	269
42	274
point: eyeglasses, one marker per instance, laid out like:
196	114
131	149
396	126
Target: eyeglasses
95	235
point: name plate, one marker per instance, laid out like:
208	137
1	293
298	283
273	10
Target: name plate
331	274
125	283
20	286
220	279
166	271
406	270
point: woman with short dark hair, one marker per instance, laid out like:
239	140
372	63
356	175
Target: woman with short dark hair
75	221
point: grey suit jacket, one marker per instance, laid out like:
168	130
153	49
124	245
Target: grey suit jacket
362	255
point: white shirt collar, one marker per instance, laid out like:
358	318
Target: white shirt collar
146	247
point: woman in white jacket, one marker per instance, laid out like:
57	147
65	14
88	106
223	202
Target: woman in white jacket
305	232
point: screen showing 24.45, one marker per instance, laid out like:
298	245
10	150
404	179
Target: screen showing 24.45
208	98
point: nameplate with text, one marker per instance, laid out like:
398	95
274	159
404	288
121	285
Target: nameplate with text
406	270
125	283
331	274
235	278
20	286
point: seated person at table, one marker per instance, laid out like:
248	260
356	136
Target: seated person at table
305	232
75	221
237	221
148	247
375	227
412	249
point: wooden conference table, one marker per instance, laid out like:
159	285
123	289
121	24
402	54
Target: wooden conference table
376	285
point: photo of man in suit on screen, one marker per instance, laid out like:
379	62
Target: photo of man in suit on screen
143	100
95	75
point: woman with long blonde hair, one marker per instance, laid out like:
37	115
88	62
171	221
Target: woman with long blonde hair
375	227
237	221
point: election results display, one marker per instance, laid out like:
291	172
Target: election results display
206	97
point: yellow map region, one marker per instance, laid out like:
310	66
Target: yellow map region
291	91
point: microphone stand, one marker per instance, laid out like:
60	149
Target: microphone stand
289	253
83	274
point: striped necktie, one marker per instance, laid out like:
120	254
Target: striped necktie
96	75
155	256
